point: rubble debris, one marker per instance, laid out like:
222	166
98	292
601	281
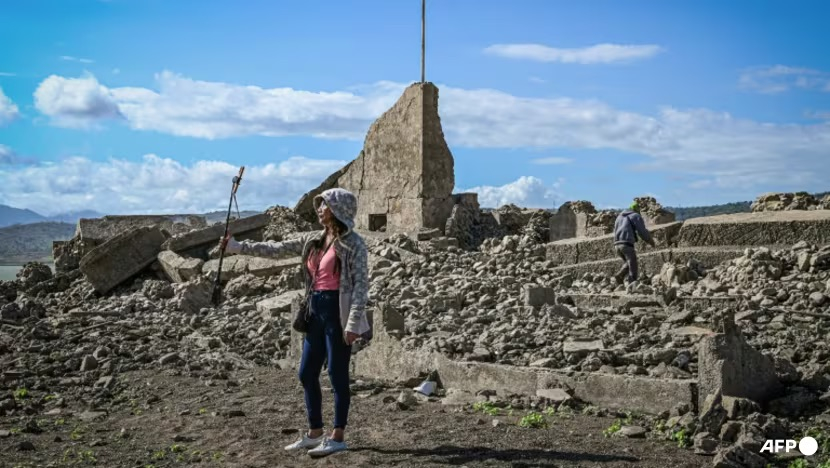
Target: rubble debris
786	201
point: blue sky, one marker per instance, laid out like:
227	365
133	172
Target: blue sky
128	106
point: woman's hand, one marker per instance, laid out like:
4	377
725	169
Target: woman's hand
351	338
230	245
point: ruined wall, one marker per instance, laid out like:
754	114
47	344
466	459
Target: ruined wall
463	219
404	175
789	201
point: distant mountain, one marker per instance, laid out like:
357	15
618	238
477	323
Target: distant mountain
33	241
220	216
688	212
74	216
10	215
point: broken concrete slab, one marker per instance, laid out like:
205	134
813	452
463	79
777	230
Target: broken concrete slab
581	347
727	364
121	257
100	230
278	305
238	265
179	269
536	296
209	237
757	229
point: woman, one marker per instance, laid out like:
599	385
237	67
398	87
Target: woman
336	270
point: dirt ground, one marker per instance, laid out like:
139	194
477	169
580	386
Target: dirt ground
160	420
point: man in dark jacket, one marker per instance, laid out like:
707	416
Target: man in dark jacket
627	228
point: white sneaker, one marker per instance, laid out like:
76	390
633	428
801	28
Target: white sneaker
306	443
328	447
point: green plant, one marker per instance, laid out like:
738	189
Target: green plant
550	411
159	454
682	438
76	433
217	456
533	420
660	425
202	410
49	397
21	394
60	422
87	456
486	407
175	448
613	428
798	463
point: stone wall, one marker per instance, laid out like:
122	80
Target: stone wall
404	176
463	219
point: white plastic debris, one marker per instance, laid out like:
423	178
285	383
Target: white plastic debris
427	387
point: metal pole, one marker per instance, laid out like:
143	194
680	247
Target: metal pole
423	37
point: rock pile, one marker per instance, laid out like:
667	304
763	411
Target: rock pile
790	201
653	212
284	221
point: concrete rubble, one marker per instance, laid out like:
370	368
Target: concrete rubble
722	344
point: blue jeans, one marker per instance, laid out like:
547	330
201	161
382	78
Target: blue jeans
325	341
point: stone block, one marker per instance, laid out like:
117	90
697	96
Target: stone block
278	305
730	366
537	296
121	257
179	269
238	265
210	236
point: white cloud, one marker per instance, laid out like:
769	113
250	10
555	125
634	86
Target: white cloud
554	160
600	53
536	79
8	110
157	185
7	74
781	78
69	58
526	191
75	102
818	115
699	142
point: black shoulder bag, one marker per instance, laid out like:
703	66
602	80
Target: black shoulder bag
300	323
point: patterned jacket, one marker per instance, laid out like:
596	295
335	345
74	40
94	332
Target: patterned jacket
350	248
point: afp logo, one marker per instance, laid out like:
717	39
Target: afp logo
807	446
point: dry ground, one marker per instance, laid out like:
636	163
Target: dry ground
169	420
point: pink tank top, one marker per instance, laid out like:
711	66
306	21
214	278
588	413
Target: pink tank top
327	279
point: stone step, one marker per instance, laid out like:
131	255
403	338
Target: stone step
587	249
734	231
650	262
753	229
596	301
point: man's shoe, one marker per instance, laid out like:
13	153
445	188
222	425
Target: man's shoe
306	443
328	447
